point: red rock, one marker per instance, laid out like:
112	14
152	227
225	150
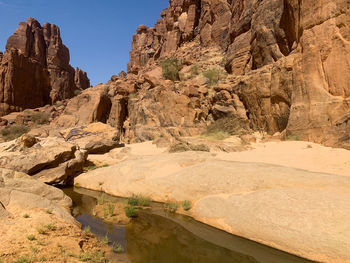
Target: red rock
35	70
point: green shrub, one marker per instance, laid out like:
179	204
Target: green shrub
41	231
40	118
184	147
170	68
96	257
105	240
108	210
139	200
26	216
91	167
219	135
50	227
194	71
77	92
87	230
171	207
34	250
49	211
186	205
213	75
226	127
130	211
293	138
24	259
144	201
13	132
118	248
31	237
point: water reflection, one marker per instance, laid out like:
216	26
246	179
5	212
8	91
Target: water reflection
157	237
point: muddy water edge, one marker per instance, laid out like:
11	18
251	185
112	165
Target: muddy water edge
157	236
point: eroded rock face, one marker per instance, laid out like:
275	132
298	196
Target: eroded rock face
92	105
50	160
35	70
288	63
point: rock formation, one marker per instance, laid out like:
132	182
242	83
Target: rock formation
50	160
35	70
287	63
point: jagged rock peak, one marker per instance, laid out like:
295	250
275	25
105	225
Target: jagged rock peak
35	69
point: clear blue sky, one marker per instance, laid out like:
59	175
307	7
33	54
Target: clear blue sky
98	33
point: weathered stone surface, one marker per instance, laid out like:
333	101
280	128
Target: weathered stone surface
81	79
52	160
287	60
92	105
270	204
96	138
20	190
35	70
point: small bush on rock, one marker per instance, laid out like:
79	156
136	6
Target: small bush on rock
130	211
40	118
186	205
13	132
139	200
77	92
225	127
171	207
213	75
184	147
170	68
118	248
31	238
87	230
194	71
24	259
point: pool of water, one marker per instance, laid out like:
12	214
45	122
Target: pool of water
159	237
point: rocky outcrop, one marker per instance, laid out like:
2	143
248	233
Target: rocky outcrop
19	189
287	63
31	212
50	160
35	70
96	138
92	105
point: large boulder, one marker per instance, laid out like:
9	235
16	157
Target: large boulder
19	190
35	70
51	160
96	138
92	105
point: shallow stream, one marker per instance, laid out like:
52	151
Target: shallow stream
156	236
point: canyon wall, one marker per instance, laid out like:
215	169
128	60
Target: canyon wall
287	63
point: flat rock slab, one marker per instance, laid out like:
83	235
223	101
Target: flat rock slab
19	192
301	212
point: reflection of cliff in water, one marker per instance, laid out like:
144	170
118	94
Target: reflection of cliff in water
152	239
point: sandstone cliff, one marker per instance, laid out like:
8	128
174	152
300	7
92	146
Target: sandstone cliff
35	70
287	63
